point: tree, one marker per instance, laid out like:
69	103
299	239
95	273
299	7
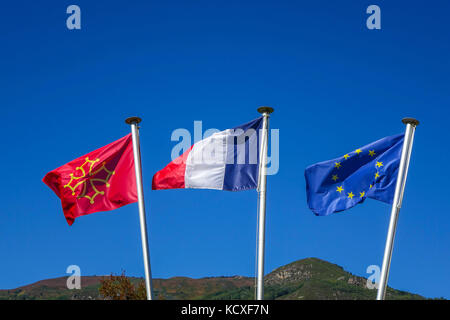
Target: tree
121	288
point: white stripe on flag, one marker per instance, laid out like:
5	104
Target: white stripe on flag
205	165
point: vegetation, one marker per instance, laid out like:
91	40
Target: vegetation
121	288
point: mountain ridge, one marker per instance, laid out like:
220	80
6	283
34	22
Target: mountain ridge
305	279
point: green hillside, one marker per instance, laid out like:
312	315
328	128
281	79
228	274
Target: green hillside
313	279
307	279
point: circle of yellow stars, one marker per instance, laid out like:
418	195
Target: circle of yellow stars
338	165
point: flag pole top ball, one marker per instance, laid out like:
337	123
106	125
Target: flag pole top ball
133	120
411	121
264	110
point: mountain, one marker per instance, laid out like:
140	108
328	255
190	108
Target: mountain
313	279
307	279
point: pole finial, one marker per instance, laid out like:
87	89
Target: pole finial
411	121
132	120
264	109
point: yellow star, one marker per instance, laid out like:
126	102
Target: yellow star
340	189
372	153
335	177
358	151
377	175
370	187
346	156
337	165
379	164
362	194
350	195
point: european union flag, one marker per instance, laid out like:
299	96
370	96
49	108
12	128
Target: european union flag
368	172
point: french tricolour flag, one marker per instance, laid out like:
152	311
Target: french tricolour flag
226	160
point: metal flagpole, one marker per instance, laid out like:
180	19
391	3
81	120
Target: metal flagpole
133	122
262	182
397	203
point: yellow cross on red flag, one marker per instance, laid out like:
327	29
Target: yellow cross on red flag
101	180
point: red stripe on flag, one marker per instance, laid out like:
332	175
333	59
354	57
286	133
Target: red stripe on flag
172	176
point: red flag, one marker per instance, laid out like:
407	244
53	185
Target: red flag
101	180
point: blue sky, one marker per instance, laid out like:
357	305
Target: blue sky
334	84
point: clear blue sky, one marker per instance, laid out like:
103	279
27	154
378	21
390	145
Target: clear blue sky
334	84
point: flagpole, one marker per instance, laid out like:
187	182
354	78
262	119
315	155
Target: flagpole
133	122
411	125
262	182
